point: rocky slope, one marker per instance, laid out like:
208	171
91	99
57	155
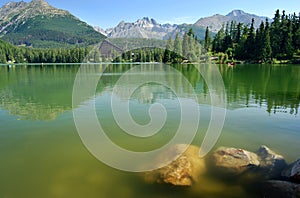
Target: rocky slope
39	24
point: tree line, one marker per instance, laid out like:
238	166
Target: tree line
14	54
177	50
279	39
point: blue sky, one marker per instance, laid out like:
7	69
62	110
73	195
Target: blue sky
108	13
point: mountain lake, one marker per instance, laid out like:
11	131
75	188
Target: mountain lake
42	154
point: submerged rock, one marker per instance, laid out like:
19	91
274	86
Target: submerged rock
183	171
293	171
276	188
271	163
234	161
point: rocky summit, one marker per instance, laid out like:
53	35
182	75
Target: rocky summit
142	28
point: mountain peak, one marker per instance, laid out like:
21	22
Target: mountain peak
146	20
235	13
40	3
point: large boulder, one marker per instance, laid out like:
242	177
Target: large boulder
293	171
183	171
271	163
277	188
234	160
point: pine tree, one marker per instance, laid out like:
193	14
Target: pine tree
207	41
259	42
276	34
168	51
178	44
250	43
297	39
185	45
227	41
288	46
233	30
295	25
239	33
218	41
267	49
241	48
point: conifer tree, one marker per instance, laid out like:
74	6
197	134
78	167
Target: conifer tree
178	44
276	34
267	49
207	41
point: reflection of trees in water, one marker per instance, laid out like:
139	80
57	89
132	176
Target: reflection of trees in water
37	93
42	93
174	83
277	88
29	110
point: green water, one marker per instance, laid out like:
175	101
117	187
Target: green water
42	154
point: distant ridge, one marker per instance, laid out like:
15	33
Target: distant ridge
216	22
150	29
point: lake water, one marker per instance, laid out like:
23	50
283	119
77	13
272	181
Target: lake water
42	154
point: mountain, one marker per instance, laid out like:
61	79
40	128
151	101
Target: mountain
38	24
150	29
215	22
142	28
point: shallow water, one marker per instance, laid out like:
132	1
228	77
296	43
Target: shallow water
42	154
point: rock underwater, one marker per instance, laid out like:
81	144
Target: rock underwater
271	163
234	161
292	172
183	171
277	188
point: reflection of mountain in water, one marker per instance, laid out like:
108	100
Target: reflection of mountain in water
150	93
150	83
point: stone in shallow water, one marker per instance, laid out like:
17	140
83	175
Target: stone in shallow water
183	171
271	163
234	160
293	171
276	188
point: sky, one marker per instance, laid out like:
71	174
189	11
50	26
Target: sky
108	13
